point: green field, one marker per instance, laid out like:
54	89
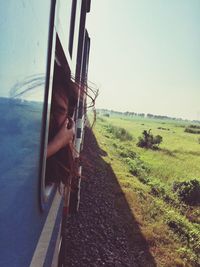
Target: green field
151	179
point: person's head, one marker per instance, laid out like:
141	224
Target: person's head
64	99
60	106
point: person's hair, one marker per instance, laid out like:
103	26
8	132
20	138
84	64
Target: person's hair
64	86
62	165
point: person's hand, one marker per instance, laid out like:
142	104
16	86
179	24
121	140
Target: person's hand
66	133
64	137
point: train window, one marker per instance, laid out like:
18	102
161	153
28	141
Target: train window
72	25
63	101
58	116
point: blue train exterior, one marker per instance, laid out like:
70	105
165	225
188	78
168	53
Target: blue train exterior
34	34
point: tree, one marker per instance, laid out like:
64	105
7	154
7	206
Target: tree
148	140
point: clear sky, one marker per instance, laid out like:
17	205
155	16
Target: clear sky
145	55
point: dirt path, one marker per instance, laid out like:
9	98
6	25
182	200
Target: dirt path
104	232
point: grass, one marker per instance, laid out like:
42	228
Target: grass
171	227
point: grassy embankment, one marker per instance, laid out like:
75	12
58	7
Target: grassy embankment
147	177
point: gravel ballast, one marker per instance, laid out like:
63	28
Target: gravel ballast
104	232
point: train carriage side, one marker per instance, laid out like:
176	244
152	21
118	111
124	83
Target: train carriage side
34	35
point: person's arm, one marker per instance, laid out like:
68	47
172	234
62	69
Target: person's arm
62	138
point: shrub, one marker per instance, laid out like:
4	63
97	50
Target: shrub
192	130
128	154
194	126
134	169
188	191
162	128
149	141
137	168
157	187
119	133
